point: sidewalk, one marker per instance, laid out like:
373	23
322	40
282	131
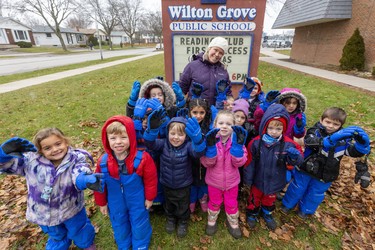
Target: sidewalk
277	59
11	86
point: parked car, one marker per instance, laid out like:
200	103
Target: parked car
159	46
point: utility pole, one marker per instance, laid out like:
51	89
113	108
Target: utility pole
99	38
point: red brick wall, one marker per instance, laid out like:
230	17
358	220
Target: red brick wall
323	43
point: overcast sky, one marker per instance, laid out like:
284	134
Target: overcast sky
271	13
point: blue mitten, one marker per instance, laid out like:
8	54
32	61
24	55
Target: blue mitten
362	142
154	104
247	88
271	97
211	141
293	153
140	108
134	93
180	98
94	182
14	147
214	112
193	130
238	140
222	88
345	133
300	125
196	90
154	121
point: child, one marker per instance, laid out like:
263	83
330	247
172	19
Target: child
222	160
176	154
130	184
295	103
255	99
55	175
199	109
326	143
269	155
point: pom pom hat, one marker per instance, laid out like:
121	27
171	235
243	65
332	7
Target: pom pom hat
220	42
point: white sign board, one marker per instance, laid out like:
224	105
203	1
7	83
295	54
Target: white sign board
237	57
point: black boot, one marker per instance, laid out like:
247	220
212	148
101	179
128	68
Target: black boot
182	228
170	225
268	218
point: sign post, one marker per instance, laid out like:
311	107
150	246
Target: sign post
190	25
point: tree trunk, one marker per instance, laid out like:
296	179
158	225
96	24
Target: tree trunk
58	34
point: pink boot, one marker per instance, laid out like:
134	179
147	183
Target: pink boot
203	202
192	207
92	247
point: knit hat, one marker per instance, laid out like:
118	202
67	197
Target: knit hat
280	119
241	105
220	42
295	93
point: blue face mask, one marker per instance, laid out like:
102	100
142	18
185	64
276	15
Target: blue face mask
269	139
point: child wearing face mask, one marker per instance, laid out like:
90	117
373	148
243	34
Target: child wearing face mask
223	157
176	156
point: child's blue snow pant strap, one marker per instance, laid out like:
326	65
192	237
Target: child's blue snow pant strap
78	228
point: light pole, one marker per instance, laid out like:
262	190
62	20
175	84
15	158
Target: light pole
99	38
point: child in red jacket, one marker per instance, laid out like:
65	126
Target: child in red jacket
130	184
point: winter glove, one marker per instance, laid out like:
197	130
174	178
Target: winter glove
345	133
222	88
94	182
154	121
154	104
180	99
140	108
293	153
362	141
211	141
134	93
183	113
300	125
271	97
362	176
214	112
247	88
193	130
238	140
14	147
196	90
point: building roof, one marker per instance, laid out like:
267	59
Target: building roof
5	20
47	29
297	13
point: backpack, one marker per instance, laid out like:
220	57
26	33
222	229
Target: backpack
103	161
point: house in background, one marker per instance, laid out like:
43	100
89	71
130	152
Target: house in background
44	36
12	31
322	28
118	36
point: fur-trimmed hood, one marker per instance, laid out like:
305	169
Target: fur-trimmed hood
169	95
296	93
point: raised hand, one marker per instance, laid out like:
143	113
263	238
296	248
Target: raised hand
180	99
300	124
196	90
14	147
211	141
238	140
156	119
193	130
140	108
134	93
271	97
222	89
247	88
154	104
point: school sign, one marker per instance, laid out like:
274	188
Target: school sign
190	25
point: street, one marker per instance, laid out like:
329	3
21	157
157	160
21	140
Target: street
32	62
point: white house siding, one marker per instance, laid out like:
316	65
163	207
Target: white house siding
41	39
19	32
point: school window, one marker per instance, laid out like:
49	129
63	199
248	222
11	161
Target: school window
20	35
48	35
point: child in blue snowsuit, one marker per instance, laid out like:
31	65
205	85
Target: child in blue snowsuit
130	184
326	143
56	175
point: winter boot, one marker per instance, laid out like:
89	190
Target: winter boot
268	218
232	224
252	217
182	228
203	201
302	215
284	209
192	207
170	225
211	227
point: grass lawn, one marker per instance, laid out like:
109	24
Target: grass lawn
283	51
80	105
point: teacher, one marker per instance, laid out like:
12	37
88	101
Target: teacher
206	68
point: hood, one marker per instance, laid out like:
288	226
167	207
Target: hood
129	125
296	93
169	95
179	119
274	111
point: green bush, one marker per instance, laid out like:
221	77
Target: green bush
24	44
353	53
82	45
94	40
